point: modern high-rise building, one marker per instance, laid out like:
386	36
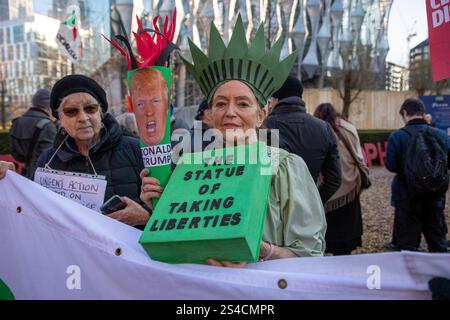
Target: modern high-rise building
15	9
420	67
420	72
330	36
29	59
397	77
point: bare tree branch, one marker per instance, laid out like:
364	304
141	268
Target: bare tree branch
356	95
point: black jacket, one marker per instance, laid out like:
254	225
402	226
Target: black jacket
115	156
197	132
31	133
395	158
310	138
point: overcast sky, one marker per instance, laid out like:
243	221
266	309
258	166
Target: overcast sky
406	17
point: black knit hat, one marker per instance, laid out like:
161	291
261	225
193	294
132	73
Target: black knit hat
201	109
41	98
292	87
76	83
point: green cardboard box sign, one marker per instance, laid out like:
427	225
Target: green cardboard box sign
213	206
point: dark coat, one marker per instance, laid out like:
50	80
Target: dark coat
396	151
310	138
115	156
177	123
197	132
22	133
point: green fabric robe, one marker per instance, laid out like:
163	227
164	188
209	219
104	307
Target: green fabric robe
295	216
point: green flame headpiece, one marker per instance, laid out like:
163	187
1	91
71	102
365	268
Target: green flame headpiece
261	70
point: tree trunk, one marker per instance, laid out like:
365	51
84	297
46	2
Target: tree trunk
420	91
269	21
347	99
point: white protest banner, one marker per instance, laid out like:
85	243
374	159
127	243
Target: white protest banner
88	190
68	36
155	156
51	248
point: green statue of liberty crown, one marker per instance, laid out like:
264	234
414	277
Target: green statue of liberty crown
261	70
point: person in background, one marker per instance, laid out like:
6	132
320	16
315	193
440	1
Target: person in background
306	136
176	122
343	209
202	123
416	213
33	132
127	122
204	115
429	119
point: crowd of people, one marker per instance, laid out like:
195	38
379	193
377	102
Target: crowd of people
314	200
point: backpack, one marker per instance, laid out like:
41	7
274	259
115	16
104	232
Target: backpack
23	142
425	163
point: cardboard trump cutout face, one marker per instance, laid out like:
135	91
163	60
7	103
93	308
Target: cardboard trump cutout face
150	98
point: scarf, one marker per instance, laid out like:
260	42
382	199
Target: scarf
351	180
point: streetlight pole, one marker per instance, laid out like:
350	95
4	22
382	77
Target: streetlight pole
336	14
184	47
3	105
311	62
298	36
323	40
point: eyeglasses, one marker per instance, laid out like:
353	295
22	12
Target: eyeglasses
74	111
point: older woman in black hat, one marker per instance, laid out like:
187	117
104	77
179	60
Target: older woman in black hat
91	141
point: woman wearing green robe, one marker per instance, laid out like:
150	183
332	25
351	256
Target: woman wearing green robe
237	81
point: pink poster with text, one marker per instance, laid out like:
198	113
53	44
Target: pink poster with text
438	14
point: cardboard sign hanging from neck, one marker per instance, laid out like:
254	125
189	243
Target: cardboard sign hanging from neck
213	206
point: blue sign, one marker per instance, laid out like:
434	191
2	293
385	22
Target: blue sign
439	108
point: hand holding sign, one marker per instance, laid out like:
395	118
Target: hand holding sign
267	251
229	264
133	214
150	189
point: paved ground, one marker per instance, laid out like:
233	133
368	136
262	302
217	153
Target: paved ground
378	215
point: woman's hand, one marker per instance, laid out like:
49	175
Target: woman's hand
266	251
150	188
5	166
228	264
133	214
269	251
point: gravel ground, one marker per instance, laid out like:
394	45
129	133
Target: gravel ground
378	215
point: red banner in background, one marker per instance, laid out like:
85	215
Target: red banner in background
374	153
438	12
